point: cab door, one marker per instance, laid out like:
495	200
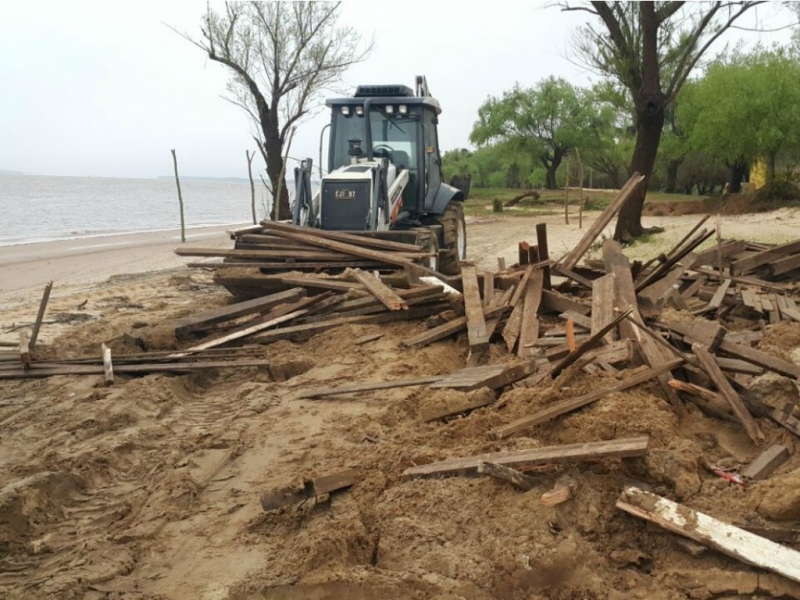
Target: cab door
432	163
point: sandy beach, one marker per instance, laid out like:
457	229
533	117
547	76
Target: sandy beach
151	487
26	268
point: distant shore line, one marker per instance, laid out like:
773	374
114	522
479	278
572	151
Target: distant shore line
5	243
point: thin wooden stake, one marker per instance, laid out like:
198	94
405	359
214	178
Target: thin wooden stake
180	196
40	316
252	185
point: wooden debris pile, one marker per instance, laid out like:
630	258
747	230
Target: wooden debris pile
275	247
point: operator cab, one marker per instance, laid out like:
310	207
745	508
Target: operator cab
391	122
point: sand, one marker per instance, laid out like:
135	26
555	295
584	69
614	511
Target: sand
149	489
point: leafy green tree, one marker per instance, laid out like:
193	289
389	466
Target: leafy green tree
744	108
544	122
611	152
650	48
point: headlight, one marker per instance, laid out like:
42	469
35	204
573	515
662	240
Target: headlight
360	110
346	111
389	109
403	109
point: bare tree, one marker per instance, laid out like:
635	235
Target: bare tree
282	55
650	48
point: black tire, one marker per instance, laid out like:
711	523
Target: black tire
453	227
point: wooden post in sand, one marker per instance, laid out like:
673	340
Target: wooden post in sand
180	197
252	187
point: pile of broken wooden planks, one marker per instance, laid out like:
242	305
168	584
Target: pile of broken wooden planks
276	247
688	320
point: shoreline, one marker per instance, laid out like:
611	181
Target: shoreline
26	268
110	233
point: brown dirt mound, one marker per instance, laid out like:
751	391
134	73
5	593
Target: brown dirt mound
732	204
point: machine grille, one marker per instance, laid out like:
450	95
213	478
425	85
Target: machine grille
345	205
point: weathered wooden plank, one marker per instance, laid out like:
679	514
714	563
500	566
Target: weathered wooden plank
544	253
308	329
559	303
446	329
766	463
297	255
734	365
393	258
694	287
522	459
488	288
518	479
628	190
617	263
137	369
207	318
288	265
382	292
476	323
728	539
721	382
603	304
529	326
728	249
578	319
783	265
476	399
236	335
567	406
745	265
341	236
590	343
368	387
562	491
310	488
513	326
709	402
37	325
719	295
470	378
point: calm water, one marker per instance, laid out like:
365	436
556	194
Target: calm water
34	208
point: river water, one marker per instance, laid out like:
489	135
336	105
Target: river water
41	208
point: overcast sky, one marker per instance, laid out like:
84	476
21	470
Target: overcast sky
106	89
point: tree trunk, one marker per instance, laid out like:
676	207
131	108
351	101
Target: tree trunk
650	122
672	176
552	167
738	171
771	159
272	149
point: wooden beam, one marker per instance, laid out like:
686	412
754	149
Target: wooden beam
562	491
392	258
476	323
40	315
529	326
310	488
382	292
628	190
488	288
516	478
709	402
526	459
560	303
728	539
603	304
446	329
341	236
783	265
368	387
721	382
184	326
475	399
766	463
513	326
745	265
544	253
137	369
568	406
